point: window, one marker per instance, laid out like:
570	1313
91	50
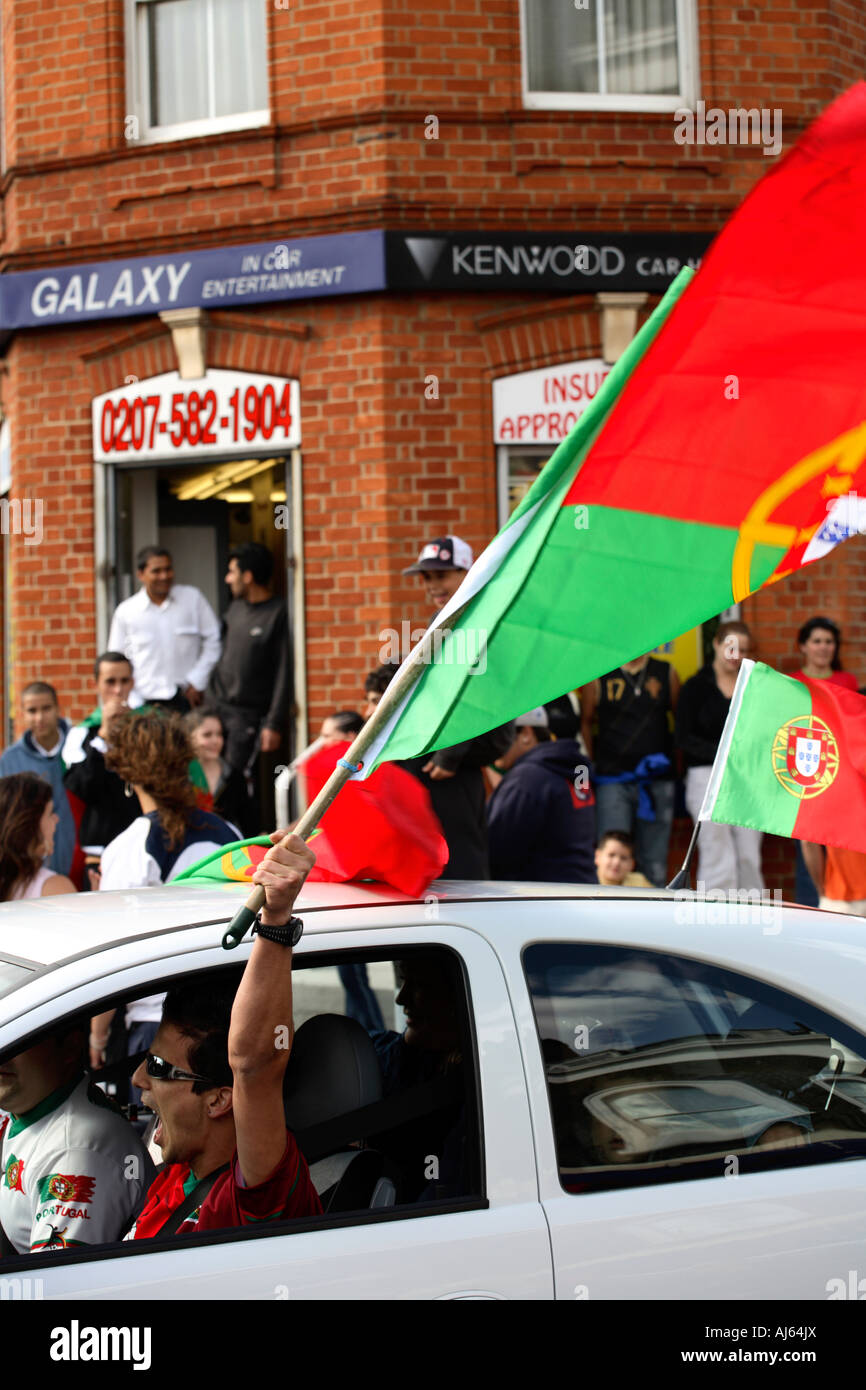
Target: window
517	470
196	67
626	55
381	1095
662	1070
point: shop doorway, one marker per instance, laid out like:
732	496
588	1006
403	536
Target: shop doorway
200	512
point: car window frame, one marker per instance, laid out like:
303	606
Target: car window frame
311	958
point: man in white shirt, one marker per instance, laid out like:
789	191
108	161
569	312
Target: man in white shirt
169	633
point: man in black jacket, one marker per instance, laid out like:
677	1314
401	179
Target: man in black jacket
251	683
453	775
541	818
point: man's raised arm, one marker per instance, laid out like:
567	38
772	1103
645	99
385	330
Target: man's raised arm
260	1035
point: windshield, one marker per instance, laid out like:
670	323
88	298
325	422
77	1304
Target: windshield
13	973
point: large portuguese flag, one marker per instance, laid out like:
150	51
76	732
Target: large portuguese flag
792	760
710	463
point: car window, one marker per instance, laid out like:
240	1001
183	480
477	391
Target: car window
662	1069
381	1095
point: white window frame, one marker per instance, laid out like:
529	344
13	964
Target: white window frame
687	57
503	471
138	102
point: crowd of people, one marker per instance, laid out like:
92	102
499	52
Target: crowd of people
583	789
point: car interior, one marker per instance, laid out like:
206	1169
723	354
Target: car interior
387	1117
661	1070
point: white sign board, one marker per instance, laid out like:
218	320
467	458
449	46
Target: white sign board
542	407
228	414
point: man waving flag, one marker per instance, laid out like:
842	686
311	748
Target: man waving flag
716	458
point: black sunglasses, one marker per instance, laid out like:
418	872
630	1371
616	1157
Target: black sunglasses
161	1070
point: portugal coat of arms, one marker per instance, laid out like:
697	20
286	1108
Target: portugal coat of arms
805	756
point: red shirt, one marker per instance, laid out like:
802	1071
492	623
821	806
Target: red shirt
288	1192
844	678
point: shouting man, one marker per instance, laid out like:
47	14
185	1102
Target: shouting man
215	1079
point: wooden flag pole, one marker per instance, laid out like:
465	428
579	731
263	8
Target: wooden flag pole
403	681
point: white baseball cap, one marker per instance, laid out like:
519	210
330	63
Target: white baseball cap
445	553
534	719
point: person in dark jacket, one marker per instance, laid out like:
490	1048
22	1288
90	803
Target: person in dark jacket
105	808
40	750
251	683
632	755
453	775
541	818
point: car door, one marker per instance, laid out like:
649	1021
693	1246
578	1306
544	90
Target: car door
687	1118
492	1245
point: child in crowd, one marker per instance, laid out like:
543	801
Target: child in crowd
614	861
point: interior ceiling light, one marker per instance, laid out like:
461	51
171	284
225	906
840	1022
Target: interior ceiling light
217	479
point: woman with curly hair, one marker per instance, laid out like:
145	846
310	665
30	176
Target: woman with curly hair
152	753
27	824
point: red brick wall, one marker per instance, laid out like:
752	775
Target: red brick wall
384	468
351	86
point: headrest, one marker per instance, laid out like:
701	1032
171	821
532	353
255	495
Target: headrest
333	1068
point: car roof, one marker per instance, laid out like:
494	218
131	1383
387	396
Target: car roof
46	931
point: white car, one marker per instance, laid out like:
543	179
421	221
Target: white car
615	1097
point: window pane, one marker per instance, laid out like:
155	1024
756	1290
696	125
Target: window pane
641	46
239	48
178	61
663	1070
523	469
562	49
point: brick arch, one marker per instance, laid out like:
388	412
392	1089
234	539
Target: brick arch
521	338
146	350
273	345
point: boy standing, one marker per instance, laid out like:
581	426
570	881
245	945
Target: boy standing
40	750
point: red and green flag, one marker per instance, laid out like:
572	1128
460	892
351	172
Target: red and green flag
717	457
383	829
234	863
792	760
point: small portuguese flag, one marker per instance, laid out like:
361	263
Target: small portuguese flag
792	760
66	1187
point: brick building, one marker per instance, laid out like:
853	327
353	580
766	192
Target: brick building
372	212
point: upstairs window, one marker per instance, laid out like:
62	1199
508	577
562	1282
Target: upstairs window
196	67
608	55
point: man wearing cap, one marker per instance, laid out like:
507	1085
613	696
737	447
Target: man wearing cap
541	817
453	775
